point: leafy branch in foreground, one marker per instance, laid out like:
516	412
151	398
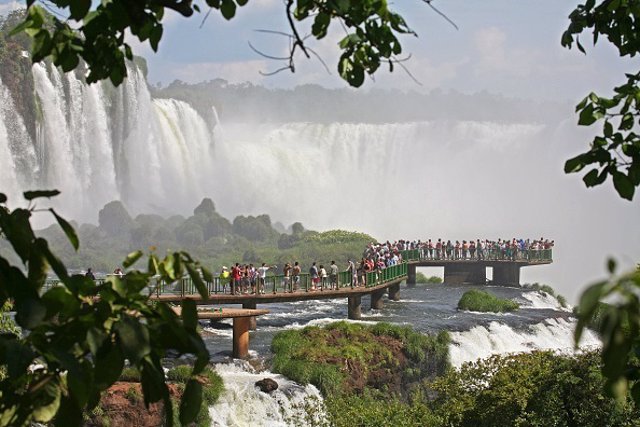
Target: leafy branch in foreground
617	320
82	333
78	31
616	152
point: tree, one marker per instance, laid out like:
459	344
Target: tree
97	36
82	332
616	152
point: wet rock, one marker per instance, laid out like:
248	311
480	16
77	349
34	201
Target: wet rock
267	385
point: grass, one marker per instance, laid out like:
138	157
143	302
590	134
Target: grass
477	300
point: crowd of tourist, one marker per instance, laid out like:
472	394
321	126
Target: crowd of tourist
249	279
485	249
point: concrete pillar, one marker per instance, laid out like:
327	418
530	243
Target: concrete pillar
376	299
411	276
394	292
465	273
507	275
252	320
355	311
241	337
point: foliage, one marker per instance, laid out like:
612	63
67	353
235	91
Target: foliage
616	152
618	323
422	278
81	333
374	409
343	358
477	300
215	243
95	34
530	389
212	387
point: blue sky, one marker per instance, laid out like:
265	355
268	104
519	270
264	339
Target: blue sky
502	46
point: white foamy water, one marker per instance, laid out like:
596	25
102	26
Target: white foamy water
481	342
543	300
242	404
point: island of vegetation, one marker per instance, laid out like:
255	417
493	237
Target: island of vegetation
483	301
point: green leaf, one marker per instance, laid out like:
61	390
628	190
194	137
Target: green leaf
30	195
189	314
587	116
131	259
68	230
228	9
108	366
48	402
611	265
79	8
134	339
191	402
623	185
197	280
3	198
574	164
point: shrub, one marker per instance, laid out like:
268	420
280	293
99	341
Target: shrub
422	278
477	300
130	375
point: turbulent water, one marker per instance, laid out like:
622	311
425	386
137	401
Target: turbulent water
540	324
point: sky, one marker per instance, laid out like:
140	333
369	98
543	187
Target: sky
500	46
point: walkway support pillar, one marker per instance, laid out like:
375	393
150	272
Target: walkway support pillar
507	275
253	324
376	300
411	276
465	273
394	292
355	310
241	337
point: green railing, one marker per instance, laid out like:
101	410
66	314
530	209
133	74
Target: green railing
491	254
273	284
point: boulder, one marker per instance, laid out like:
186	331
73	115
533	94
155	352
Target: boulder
267	385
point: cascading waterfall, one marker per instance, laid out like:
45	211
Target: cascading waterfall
18	162
96	143
242	404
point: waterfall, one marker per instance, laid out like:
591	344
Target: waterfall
243	404
18	163
97	143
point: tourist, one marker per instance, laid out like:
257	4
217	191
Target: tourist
225	278
90	274
353	274
295	273
262	276
323	277
315	277
333	275
118	272
286	281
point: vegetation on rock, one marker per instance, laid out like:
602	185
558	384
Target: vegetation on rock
483	301
422	278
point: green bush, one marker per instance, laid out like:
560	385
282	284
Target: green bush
422	278
477	300
530	389
130	375
548	290
328	356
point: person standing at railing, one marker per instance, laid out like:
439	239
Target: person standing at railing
315	276
262	276
286	281
90	274
323	277
225	278
333	275
295	272
236	278
351	268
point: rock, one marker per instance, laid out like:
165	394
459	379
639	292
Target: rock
267	385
